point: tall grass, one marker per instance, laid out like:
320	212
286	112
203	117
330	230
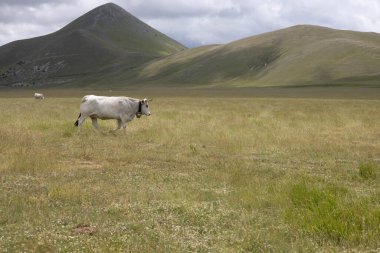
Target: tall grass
201	174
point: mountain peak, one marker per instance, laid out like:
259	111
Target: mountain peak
109	11
109	14
110	5
111	23
101	39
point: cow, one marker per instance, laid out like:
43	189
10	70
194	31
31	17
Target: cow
123	109
39	96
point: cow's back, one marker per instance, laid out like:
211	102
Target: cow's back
104	107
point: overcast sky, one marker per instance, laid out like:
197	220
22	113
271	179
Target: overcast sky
194	22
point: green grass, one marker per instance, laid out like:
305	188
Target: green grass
368	170
203	173
331	215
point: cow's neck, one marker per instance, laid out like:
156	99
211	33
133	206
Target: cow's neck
139	112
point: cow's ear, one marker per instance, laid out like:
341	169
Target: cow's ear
150	99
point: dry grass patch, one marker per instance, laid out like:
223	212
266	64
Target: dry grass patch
201	174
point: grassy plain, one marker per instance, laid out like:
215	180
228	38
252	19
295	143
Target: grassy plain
203	173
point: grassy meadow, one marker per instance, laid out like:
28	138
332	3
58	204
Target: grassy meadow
202	174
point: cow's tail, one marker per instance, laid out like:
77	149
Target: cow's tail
77	122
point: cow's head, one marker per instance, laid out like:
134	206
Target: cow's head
144	110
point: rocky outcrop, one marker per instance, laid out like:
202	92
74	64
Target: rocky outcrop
29	73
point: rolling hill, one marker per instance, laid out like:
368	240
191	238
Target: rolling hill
299	55
108	47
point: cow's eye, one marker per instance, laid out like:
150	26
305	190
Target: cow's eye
147	106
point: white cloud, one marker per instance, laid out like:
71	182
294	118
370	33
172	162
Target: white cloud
194	22
25	21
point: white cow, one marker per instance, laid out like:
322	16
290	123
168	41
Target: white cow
123	109
39	96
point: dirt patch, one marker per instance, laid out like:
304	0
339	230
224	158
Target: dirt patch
84	229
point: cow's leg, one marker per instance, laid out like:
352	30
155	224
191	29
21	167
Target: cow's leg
80	120
125	127
124	121
119	124
95	123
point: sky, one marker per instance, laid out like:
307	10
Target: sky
194	22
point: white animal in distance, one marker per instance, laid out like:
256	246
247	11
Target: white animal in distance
122	109
39	96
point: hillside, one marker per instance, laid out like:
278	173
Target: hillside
108	47
299	55
97	42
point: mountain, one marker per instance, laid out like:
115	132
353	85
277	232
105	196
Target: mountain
108	47
98	42
299	55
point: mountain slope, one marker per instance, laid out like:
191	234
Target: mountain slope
109	47
299	55
99	41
